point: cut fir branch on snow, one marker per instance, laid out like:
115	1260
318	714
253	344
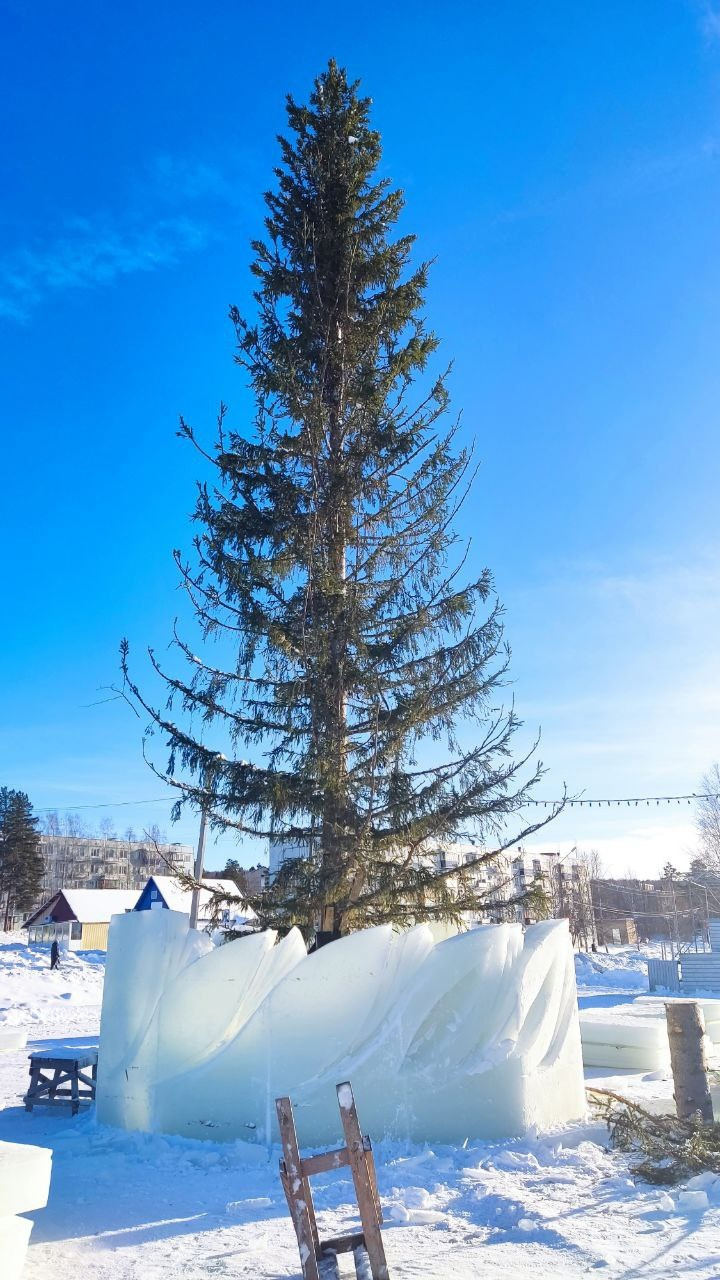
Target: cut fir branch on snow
327	560
670	1149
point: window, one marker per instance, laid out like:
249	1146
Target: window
76	931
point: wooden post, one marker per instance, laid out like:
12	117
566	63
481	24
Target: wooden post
686	1030
298	1193
370	1215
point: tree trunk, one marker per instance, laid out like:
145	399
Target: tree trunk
335	609
686	1030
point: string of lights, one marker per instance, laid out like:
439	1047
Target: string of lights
625	801
619	802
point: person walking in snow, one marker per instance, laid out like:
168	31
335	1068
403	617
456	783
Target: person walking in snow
54	955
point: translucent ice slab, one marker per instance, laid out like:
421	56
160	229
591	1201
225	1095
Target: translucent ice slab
709	1006
628	1037
473	1036
24	1177
14	1237
24	1186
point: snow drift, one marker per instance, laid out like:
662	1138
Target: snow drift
473	1036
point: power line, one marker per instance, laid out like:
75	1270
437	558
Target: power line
108	804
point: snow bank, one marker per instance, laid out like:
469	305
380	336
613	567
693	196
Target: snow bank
473	1036
621	969
32	995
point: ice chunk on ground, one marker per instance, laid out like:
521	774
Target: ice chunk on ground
24	1177
473	1036
14	1237
626	1037
11	1039
24	1186
693	1201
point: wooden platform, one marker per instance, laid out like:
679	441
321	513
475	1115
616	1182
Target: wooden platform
59	1076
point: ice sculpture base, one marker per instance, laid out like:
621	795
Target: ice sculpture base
476	1036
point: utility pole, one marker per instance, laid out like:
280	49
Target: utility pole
199	862
200	855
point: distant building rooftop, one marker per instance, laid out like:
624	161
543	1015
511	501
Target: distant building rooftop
89	906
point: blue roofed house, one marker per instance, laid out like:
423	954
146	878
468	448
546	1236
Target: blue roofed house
166	892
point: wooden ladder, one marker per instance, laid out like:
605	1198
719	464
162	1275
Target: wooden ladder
318	1258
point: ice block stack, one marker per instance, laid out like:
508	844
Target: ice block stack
475	1036
24	1186
633	1036
625	1038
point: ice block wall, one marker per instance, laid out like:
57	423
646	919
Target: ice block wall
476	1036
24	1185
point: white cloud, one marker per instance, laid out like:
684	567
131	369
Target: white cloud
170	211
709	14
89	256
620	671
641	850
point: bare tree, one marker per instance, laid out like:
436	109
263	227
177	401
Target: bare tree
707	819
593	863
51	824
107	829
74	825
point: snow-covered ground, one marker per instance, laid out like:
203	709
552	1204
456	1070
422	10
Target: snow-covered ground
146	1207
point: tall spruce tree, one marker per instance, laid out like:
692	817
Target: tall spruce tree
21	860
328	565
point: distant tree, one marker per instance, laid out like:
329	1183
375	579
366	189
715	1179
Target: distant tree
51	824
669	872
73	825
107	829
233	871
707	819
591	860
699	871
129	835
21	861
366	674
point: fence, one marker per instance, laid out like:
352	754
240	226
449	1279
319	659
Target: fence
663	975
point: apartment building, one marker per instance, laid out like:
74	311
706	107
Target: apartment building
94	862
505	877
508	876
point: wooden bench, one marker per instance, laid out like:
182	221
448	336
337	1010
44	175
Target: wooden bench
61	1075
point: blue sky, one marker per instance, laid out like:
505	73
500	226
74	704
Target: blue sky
561	164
